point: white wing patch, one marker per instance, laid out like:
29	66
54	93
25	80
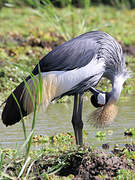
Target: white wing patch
56	83
66	80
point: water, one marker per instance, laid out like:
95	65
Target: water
57	119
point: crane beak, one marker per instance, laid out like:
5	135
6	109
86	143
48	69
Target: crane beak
94	91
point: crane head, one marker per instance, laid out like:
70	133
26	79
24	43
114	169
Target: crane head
99	98
105	102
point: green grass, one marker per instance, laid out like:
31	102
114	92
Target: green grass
26	21
37	25
58	152
54	146
63	3
125	174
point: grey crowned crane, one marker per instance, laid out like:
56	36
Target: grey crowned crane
72	69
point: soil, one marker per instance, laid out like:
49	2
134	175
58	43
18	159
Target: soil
87	166
32	41
128	49
37	41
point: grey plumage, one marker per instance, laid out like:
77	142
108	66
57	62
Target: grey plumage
73	68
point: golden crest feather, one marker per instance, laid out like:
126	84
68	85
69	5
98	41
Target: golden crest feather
104	116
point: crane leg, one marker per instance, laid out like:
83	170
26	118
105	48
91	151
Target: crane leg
77	118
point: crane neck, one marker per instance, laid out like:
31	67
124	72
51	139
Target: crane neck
117	86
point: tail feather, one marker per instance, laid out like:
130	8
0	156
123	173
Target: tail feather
11	112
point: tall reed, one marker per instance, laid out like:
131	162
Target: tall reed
64	3
38	90
69	24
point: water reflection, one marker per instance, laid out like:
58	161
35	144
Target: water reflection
57	118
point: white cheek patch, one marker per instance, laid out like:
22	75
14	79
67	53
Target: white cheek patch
101	98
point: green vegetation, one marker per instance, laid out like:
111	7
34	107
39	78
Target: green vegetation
59	148
26	35
63	3
125	174
100	134
60	159
33	33
129	132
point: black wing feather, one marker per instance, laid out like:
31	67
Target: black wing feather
75	53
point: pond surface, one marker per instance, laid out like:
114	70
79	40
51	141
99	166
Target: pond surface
57	119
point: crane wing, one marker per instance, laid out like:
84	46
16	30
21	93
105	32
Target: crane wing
73	54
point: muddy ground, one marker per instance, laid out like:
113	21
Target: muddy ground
83	164
94	163
39	42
